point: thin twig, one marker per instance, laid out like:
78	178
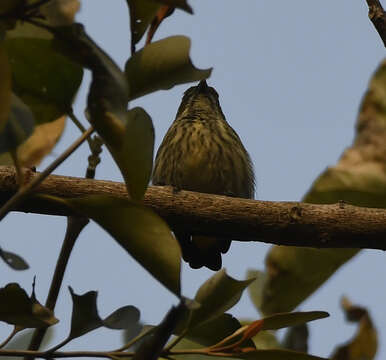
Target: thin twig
27	189
10	337
377	16
16	162
74	227
58	346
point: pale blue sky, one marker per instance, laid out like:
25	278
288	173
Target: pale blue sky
290	75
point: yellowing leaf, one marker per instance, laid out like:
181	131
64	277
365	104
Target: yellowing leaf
18	127
162	65
38	145
364	344
60	12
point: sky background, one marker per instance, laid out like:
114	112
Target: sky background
291	75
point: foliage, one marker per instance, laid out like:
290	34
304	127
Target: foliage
43	55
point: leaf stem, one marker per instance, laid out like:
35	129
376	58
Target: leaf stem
137	338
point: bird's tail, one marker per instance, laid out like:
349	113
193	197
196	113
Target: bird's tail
201	251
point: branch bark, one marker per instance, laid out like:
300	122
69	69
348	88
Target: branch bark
283	223
378	17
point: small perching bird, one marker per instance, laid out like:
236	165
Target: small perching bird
202	153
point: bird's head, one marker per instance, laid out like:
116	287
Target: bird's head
200	99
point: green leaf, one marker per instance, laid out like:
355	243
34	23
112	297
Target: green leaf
218	294
108	90
123	318
141	232
162	65
152	346
20	310
212	331
14	261
5	86
134	153
44	79
142	13
278	321
359	178
364	344
129	136
19	126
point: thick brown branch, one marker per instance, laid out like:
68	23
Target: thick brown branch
378	17
283	223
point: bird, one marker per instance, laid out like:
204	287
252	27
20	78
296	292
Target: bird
201	152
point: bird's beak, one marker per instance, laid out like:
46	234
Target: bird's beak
202	86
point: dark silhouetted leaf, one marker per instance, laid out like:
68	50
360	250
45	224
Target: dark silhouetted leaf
44	79
364	344
137	229
85	316
7	6
19	126
18	309
123	318
16	262
108	89
5	86
162	65
152	346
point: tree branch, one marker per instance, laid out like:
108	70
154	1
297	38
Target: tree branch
378	17
284	223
